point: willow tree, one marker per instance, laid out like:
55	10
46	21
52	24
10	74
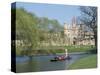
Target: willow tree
26	28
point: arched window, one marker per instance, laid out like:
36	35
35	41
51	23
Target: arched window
74	41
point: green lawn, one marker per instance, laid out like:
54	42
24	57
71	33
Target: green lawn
79	48
72	48
55	50
87	62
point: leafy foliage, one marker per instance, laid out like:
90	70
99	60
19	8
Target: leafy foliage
30	29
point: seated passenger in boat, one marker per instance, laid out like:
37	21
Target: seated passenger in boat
60	57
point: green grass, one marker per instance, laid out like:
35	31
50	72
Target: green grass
72	48
55	50
87	62
79	48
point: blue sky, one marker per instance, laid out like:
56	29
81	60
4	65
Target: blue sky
63	13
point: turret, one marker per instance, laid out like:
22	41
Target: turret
65	28
74	21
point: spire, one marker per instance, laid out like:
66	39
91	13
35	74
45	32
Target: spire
74	21
65	26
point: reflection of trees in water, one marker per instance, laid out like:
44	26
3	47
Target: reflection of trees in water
30	66
42	63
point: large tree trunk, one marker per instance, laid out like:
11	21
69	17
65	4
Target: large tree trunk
95	38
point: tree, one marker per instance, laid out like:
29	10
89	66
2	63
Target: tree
48	26
89	18
26	27
32	31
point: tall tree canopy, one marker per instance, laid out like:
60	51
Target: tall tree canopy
89	18
32	29
26	27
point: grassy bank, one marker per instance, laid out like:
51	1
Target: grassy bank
54	50
87	62
39	52
79	48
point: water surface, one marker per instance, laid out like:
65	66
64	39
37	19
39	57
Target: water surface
43	63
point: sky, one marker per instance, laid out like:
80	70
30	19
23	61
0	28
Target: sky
62	13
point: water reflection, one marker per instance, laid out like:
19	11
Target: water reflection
42	63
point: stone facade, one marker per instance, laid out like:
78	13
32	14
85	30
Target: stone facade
73	34
76	34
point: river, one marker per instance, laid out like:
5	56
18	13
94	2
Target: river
43	63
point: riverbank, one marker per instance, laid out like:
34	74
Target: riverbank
86	62
79	48
57	54
54	50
